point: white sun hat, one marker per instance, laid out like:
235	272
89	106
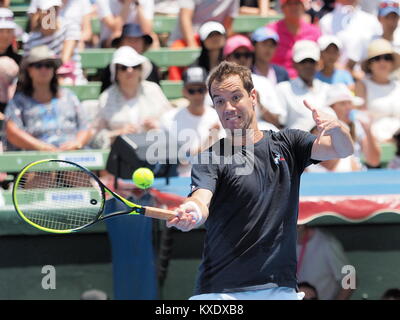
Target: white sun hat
127	56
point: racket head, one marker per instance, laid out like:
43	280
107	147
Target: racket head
58	196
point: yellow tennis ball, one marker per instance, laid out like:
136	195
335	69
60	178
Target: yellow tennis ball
143	178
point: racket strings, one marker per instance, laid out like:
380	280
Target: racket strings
59	199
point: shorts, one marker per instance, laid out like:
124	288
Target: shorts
279	293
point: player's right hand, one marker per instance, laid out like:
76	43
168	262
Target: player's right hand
185	219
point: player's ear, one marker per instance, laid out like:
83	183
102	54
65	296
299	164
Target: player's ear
254	97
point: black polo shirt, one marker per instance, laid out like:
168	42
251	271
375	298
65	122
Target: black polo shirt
251	230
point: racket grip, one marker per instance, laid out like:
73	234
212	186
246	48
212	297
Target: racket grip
158	213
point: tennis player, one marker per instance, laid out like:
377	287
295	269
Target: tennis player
250	219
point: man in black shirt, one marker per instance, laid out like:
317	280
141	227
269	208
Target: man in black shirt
245	189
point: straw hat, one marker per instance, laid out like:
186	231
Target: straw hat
41	53
377	48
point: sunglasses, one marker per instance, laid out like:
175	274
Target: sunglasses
124	68
39	65
239	55
386	57
193	91
308	60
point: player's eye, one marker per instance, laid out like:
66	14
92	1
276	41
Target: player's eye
218	102
236	98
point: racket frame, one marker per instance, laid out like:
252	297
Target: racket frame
133	207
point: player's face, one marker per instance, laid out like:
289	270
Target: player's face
234	105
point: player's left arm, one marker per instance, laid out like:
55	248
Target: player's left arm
334	139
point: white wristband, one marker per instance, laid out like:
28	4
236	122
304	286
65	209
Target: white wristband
197	216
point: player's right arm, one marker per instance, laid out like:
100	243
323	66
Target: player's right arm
193	212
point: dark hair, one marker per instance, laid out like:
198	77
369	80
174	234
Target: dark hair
393	293
226	69
204	60
25	84
308	285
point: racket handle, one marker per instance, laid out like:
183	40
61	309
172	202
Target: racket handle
158	213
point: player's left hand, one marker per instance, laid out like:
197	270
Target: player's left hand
327	124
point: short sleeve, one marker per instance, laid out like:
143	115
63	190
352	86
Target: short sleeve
204	173
187	4
300	143
14	113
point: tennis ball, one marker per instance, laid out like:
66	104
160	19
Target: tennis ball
143	178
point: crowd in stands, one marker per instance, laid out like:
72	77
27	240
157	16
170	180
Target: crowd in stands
342	56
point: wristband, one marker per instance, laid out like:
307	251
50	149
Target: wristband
200	208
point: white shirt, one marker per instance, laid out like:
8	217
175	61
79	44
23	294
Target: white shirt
72	9
292	93
355	29
321	264
113	8
383	104
190	131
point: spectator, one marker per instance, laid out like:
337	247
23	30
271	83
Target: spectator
114	14
61	35
355	28
8	80
240	50
310	292
265	42
193	13
131	104
344	103
292	93
7	35
330	47
391	294
4	3
388	16
380	92
254	7
291	29
42	116
212	38
77	11
320	261
319	8
395	162
198	121
132	36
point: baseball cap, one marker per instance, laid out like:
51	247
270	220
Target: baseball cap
325	41
210	26
340	92
237	41
305	49
264	33
7	19
194	75
127	56
388	6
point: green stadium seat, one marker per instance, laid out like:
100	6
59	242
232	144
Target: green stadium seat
163	57
87	91
172	89
19	9
246	23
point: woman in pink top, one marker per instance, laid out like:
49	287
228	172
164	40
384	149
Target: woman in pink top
290	29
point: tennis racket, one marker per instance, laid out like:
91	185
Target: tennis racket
62	197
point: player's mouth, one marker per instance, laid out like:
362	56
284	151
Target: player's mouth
233	118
